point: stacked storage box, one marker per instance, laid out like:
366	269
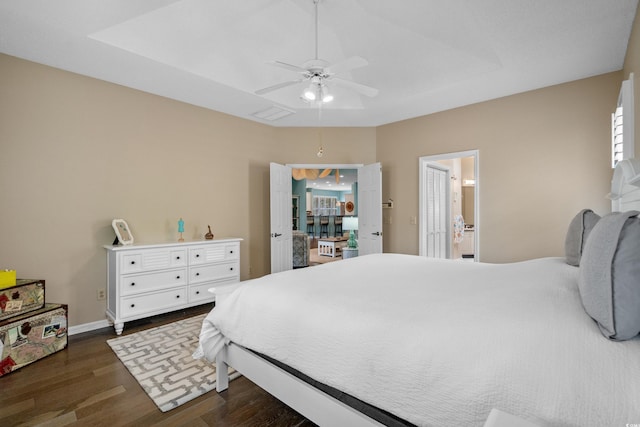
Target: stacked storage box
29	328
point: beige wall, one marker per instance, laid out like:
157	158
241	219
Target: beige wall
76	152
544	155
632	65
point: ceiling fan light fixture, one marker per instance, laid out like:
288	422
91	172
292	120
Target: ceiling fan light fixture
318	93
309	93
325	94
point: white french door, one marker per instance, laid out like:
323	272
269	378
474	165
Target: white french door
369	212
370	209
281	218
435	211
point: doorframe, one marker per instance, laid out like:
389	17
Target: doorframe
476	191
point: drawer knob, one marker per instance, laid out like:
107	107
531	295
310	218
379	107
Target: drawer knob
133	305
231	268
197	292
177	277
133	262
177	296
133	283
230	252
197	255
177	257
197	274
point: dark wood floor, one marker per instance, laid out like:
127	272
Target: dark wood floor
87	385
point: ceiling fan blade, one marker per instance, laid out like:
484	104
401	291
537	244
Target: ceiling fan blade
363	89
311	174
289	67
298	174
347	65
324	173
278	86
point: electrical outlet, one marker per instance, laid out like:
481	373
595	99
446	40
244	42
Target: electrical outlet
101	294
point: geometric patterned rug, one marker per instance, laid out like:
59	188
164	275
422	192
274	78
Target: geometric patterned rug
160	360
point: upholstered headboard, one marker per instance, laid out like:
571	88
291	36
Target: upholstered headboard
625	186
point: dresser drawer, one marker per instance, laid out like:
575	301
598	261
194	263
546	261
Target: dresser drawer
207	273
214	253
178	257
131	263
136	262
136	283
155	302
200	293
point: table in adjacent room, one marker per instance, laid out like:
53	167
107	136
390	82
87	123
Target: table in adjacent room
330	245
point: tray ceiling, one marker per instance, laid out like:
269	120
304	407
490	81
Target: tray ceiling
424	56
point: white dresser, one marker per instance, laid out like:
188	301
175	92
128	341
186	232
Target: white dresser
145	280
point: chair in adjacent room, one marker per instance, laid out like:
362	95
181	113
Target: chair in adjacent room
301	249
337	226
311	224
324	226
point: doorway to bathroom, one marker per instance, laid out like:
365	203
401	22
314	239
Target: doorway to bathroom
448	205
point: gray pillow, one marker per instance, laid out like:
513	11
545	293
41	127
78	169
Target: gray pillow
609	277
579	229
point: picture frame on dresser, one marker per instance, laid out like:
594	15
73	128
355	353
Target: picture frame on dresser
123	232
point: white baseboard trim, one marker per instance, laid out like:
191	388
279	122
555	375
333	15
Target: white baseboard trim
88	327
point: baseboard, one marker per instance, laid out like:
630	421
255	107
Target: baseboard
88	327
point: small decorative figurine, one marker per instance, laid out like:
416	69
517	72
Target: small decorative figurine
180	229
209	235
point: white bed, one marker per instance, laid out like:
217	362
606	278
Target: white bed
434	342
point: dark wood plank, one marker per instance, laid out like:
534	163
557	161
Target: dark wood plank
86	384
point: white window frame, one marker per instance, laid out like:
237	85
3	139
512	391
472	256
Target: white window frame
622	129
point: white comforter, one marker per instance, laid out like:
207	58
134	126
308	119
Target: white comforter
440	342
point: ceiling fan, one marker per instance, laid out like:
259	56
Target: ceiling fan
318	72
313	174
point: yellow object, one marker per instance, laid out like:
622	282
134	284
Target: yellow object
7	278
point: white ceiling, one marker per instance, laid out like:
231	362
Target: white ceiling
346	178
424	55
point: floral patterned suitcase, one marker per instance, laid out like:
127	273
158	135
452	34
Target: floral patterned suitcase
27	295
32	336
